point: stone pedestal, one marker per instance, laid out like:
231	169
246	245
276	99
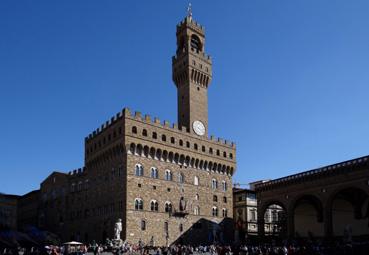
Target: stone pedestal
117	243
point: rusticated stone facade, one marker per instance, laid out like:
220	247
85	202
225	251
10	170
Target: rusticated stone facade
185	165
8	211
168	183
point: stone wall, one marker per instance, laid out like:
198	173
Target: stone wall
162	191
147	188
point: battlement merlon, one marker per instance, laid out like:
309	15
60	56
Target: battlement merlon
76	172
107	124
174	127
126	113
188	22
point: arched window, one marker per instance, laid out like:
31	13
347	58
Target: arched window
180	178
224	185
139	170
168	206
86	184
166	227
188	144
172	140
203	148
180	142
196	180
80	186
163	138
230	155
196	210
134	130
154	173
154	135
211	150
215	198
215	211
138	204
224	212
168	175
195	43
182	204
154	205
197	197
214	184
144	132
143	225
224	154
195	146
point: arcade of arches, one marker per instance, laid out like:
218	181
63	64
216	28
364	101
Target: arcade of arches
331	201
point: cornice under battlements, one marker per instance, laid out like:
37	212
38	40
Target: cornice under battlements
147	119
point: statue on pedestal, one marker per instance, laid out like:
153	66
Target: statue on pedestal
117	229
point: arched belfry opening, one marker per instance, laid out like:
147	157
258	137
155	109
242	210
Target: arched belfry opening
195	43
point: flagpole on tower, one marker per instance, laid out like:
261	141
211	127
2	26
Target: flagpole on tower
189	11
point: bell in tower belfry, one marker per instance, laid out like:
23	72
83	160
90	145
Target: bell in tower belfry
192	73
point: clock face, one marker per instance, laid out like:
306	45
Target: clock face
198	127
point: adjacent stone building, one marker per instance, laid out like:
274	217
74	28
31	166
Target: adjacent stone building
167	182
28	209
246	217
19	212
245	213
8	211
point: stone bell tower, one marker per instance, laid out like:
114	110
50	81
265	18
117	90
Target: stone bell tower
192	73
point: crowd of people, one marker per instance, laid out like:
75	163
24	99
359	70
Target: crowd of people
361	248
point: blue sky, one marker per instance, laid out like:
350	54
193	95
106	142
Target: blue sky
290	79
